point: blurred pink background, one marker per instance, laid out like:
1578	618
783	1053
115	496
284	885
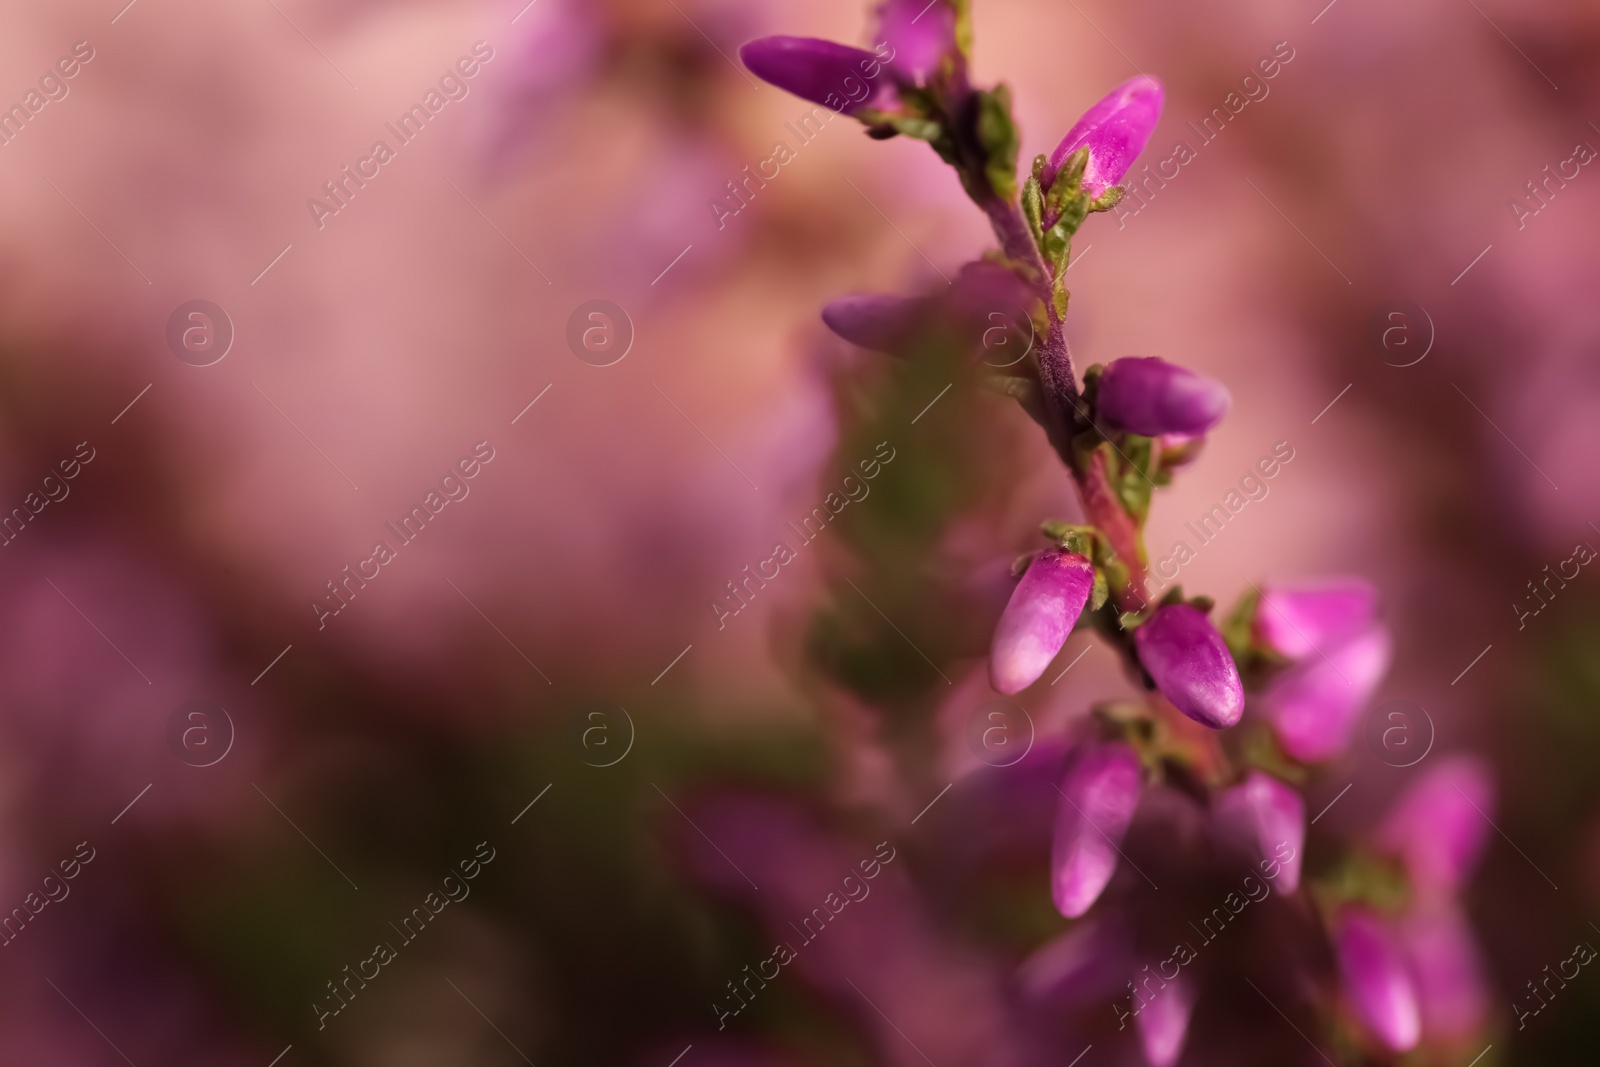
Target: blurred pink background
428	312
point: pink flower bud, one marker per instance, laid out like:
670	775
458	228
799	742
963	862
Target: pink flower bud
1115	131
1451	990
1377	981
1164	1022
1098	796
1314	706
1191	665
1041	613
1439	826
1269	819
1296	620
1147	395
824	72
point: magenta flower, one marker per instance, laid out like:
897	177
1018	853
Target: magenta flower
1149	396
1377	980
921	34
1164	1022
1269	818
1098	796
1296	620
1439	826
1115	131
1314	706
882	322
1189	662
825	72
1451	989
1041	613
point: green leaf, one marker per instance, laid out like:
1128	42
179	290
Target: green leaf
1101	591
998	136
913	126
1033	209
963	9
1069	181
1238	625
1108	199
1059	296
1128	468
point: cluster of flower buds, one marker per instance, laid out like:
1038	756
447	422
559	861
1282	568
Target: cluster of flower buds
1312	655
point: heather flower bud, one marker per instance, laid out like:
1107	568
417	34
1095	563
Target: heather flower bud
824	72
921	34
879	321
1098	796
1314	706
1189	662
1269	819
1439	826
1377	981
1041	613
1149	396
1115	131
1296	620
1164	1022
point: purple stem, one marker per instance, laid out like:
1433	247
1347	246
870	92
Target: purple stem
1064	406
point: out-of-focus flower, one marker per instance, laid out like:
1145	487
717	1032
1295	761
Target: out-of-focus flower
824	72
983	287
1314	706
1038	618
1089	962
1115	131
1191	665
1147	395
1099	794
983	305
1266	815
1439	826
1296	620
889	951
555	53
1451	990
921	34
882	322
1377	979
1164	1022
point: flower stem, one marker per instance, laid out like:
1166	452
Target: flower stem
1064	406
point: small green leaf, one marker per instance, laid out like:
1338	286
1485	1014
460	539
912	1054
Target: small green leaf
1108	199
963	9
998	136
1101	591
1033	209
920	128
1069	181
1059	296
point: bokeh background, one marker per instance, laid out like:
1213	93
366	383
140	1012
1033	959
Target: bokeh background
695	780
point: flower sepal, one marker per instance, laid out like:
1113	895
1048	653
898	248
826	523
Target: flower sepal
1109	570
